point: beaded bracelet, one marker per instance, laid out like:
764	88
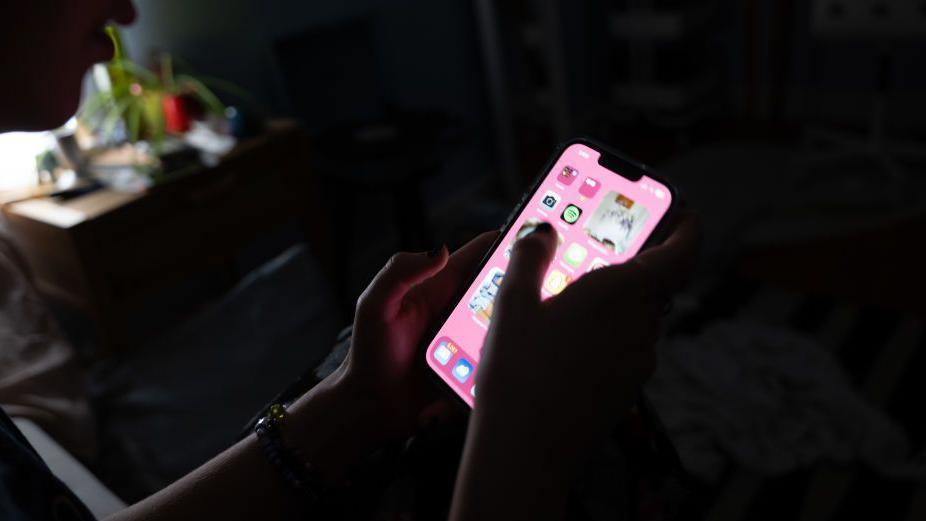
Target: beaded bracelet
299	476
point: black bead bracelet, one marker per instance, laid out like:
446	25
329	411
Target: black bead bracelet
298	475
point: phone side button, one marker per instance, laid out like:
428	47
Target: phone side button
511	217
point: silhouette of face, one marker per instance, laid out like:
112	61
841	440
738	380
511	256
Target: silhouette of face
46	46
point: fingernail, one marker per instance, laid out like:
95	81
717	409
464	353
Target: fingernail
435	252
543	227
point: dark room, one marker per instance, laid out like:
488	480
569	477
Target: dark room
257	257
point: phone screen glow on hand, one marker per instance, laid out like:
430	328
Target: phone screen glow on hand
601	217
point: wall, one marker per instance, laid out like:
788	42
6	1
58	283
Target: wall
430	49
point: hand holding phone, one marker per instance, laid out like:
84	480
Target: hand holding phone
555	374
603	208
584	354
393	315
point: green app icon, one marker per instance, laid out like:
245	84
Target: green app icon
575	255
571	214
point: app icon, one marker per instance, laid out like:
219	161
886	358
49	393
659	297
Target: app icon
575	254
597	263
589	187
549	201
444	351
483	301
567	175
571	214
556	282
462	370
617	222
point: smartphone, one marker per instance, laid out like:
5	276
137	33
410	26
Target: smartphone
604	207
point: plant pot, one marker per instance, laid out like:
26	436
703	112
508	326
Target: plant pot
176	116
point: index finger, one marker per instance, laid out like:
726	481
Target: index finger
461	265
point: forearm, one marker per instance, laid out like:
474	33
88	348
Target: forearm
330	426
236	484
508	472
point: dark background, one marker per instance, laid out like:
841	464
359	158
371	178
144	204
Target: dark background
494	87
795	128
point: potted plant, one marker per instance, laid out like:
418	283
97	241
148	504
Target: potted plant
149	105
182	91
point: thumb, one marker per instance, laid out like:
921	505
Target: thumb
401	273
669	265
530	258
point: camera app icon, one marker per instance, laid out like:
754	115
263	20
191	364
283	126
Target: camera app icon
550	200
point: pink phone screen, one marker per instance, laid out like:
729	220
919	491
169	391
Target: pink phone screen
601	217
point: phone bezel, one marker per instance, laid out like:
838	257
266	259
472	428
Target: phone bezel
658	235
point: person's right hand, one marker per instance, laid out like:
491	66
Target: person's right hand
555	375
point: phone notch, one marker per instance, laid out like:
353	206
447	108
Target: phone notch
620	166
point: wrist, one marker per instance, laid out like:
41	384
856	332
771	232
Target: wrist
527	437
334	426
502	454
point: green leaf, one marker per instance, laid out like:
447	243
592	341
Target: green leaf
154	119
202	92
93	105
142	75
167	72
226	86
112	118
133	121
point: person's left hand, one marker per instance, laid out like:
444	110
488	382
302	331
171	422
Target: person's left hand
393	314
